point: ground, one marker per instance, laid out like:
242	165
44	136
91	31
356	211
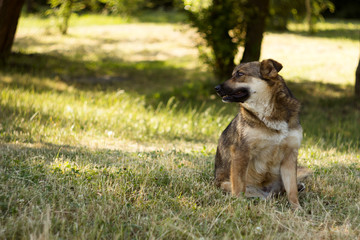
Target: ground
111	131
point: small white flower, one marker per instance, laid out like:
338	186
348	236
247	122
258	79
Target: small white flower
110	133
258	230
69	109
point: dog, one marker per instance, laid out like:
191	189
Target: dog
257	152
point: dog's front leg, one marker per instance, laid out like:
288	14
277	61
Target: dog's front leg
238	169
288	175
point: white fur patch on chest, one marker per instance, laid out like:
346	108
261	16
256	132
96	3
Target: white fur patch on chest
262	137
265	154
266	151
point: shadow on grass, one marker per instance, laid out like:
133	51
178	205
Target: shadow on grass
77	167
108	74
10	132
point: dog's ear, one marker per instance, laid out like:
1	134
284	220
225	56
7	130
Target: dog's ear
269	68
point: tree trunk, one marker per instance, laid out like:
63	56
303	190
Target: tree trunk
219	40
65	14
9	16
357	81
30	6
255	27
309	16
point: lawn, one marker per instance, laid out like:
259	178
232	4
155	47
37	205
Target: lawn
110	132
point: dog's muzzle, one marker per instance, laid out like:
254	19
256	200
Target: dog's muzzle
230	95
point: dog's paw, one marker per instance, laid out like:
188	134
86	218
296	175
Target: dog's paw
226	186
252	192
301	187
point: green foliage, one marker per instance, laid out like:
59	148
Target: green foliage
313	12
163	4
320	6
221	25
63	9
281	11
125	7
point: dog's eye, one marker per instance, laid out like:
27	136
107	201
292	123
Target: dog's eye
239	74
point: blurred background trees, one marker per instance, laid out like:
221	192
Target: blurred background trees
282	11
255	22
224	25
63	9
221	24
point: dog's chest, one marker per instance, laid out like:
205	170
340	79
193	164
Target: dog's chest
267	147
262	138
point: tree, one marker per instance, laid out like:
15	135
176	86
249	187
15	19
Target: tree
219	23
309	18
313	12
280	13
9	16
308	10
255	27
225	25
63	9
357	81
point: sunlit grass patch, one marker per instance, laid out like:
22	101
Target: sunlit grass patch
77	20
332	29
61	117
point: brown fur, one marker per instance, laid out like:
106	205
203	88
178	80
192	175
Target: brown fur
257	152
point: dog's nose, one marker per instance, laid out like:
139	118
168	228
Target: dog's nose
217	88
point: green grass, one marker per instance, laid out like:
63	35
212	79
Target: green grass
336	29
110	133
86	19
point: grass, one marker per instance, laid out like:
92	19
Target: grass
110	133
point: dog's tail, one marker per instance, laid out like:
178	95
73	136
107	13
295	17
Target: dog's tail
302	174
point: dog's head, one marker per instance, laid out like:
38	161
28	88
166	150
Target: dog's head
248	79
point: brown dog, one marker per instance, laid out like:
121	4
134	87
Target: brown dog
257	152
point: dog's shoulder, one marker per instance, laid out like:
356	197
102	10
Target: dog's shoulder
233	131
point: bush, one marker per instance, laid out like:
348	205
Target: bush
221	25
63	10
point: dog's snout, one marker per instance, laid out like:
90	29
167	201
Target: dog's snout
218	88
